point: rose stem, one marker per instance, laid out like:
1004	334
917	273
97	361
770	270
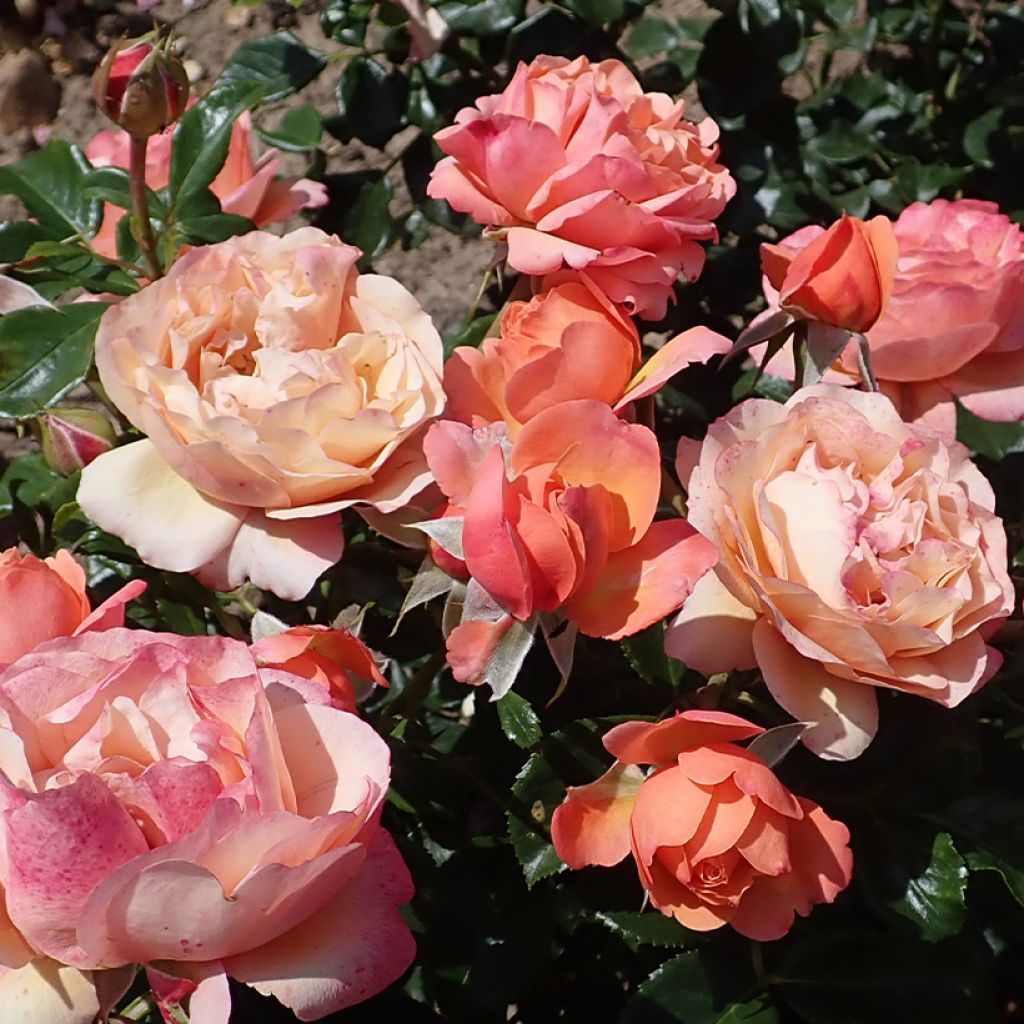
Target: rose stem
140	205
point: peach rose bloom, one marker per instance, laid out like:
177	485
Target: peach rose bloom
167	803
575	166
562	518
954	325
857	551
244	187
843	278
334	658
716	838
567	343
44	598
276	385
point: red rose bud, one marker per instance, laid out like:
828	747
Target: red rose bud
72	438
141	87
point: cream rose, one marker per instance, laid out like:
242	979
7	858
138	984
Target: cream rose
276	386
856	551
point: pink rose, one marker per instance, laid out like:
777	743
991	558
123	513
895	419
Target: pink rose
165	802
575	166
276	386
45	598
250	189
856	551
954	326
717	839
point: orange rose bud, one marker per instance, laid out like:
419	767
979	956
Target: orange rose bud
72	438
141	87
843	278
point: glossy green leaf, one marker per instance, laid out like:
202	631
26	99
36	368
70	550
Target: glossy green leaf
519	721
368	224
371	103
43	354
537	791
17	236
299	131
936	899
648	928
986	437
279	64
483	18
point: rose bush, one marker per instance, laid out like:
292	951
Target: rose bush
716	838
856	551
276	386
575	166
164	801
45	598
245	187
954	326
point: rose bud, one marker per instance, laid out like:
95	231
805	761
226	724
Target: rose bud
141	87
72	438
843	278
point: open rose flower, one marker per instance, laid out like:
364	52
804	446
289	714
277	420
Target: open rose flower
954	325
567	343
276	386
856	551
45	598
562	518
575	166
717	839
245	187
164	802
842	278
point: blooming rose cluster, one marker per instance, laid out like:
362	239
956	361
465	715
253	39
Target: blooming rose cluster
165	801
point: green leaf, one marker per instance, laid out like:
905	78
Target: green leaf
977	136
935	900
368	224
299	131
645	652
983	860
538	791
645	929
44	353
484	18
371	103
694	989
112	185
279	64
597	12
51	185
461	334
985	437
17	236
650	36
852	977
201	139
345	22
519	721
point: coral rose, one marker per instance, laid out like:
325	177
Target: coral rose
842	278
954	326
244	187
575	166
717	839
276	385
166	803
567	343
856	551
564	518
45	598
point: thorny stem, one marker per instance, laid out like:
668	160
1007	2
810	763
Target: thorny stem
140	206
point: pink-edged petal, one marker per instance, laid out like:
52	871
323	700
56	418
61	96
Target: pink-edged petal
591	826
536	253
843	713
494	554
663	742
134	494
713	632
47	992
643	583
697	345
285	557
353	947
110	614
59	844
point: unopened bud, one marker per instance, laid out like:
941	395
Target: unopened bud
72	438
140	86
